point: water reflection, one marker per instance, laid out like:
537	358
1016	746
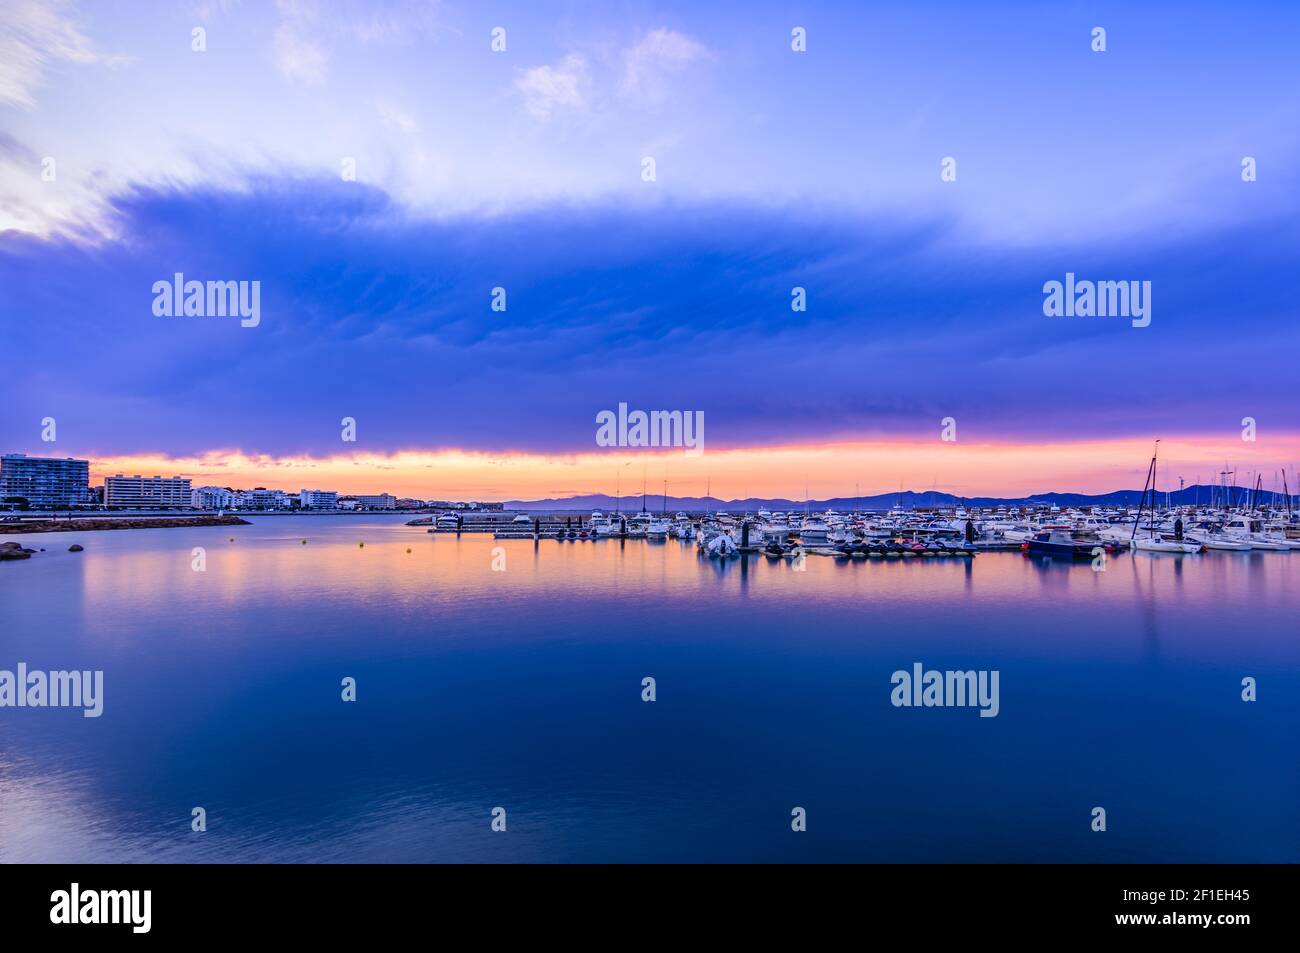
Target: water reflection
478	687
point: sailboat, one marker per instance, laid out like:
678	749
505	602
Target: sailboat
659	526
1153	541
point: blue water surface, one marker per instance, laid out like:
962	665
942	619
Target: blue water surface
522	689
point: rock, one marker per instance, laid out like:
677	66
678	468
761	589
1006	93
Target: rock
83	525
76	548
14	551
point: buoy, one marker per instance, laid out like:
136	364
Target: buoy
304	542
232	539
408	550
361	545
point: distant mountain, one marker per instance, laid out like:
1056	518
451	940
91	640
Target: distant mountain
909	499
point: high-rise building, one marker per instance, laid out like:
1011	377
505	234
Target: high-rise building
147	492
44	482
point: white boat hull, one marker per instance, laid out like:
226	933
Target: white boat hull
1227	545
1275	544
1164	546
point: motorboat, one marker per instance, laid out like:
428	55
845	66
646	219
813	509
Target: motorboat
814	532
1252	531
1059	542
721	546
1216	539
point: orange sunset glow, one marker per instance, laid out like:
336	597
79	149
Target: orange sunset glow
819	470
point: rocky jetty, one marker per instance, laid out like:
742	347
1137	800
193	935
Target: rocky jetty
90	524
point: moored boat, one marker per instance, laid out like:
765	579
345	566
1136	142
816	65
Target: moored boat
1060	542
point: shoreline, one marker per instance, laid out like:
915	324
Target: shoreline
94	524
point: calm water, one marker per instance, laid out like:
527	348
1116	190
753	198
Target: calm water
523	689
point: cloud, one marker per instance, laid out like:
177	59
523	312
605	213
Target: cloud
396	118
548	89
208	10
297	56
34	34
660	54
309	30
370	313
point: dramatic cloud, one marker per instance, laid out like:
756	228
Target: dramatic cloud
369	313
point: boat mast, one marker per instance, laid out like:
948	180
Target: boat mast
1150	483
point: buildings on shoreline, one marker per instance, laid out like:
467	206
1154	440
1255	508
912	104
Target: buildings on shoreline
139	492
44	482
53	483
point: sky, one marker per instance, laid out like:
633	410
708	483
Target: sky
523	169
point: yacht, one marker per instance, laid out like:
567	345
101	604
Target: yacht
1214	539
814	532
1252	531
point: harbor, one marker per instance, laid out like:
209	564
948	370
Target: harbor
939	532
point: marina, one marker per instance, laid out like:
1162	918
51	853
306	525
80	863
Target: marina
938	532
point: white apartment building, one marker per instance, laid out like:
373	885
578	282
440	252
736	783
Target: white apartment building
147	492
318	499
260	498
211	498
